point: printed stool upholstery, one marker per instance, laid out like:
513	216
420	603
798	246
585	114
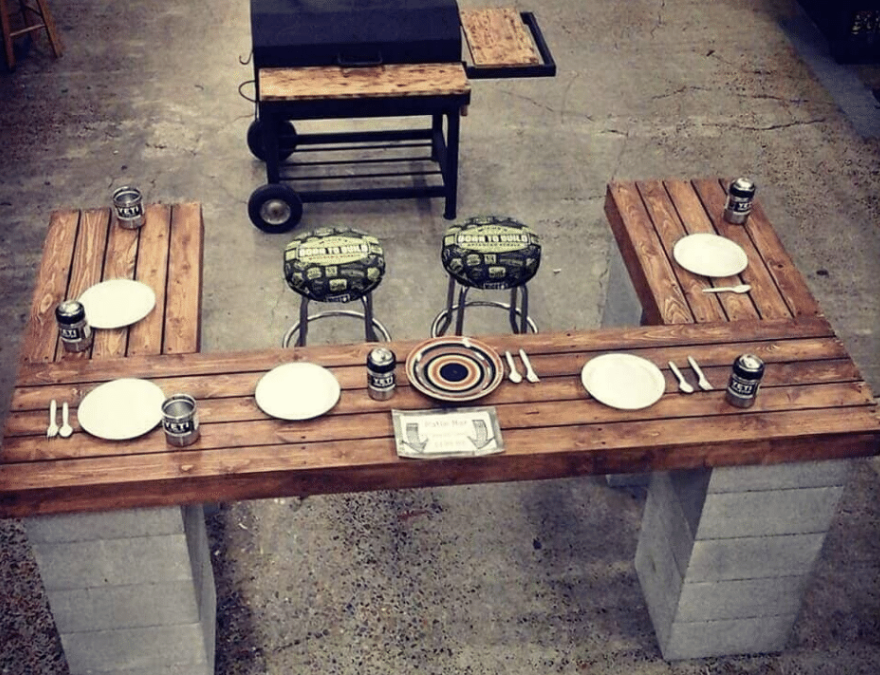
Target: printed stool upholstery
335	265
489	253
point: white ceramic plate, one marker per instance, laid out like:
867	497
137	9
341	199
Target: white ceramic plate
297	391
121	409
117	303
710	255
623	381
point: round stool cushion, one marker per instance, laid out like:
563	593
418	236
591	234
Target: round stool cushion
334	264
491	252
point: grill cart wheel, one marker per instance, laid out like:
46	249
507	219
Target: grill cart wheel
286	139
275	208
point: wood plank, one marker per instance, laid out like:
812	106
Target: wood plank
651	272
145	337
183	318
670	228
791	283
87	265
333	82
40	337
694	220
634	337
188	475
120	257
498	38
765	293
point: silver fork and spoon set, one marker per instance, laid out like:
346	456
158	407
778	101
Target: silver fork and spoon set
53	430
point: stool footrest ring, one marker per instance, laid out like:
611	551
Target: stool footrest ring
438	320
294	329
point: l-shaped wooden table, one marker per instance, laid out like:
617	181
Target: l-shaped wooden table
739	500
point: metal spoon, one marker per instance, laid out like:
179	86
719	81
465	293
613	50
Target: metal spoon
682	383
531	375
741	288
66	429
514	376
52	430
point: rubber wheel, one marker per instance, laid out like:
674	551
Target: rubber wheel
275	208
286	140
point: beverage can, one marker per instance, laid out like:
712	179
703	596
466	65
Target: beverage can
745	379
740	196
381	379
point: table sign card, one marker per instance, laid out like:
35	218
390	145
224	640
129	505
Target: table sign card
456	432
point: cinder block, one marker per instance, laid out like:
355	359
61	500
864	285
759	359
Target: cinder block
152	647
833	473
106	525
189	669
741	599
720	638
753	557
658	572
181	649
111	607
670	519
771	512
113	562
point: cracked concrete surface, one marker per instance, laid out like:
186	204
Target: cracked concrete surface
520	578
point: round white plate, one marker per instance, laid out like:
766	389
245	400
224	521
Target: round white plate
297	391
121	409
623	381
710	255
117	303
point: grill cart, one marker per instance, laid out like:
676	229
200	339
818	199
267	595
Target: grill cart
357	59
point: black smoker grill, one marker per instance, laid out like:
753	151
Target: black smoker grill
342	37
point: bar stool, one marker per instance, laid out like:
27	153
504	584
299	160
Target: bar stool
34	18
337	265
488	253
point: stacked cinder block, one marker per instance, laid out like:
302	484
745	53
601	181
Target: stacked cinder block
725	555
132	592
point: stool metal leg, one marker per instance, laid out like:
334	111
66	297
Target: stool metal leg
514	325
459	319
369	331
524	317
441	323
303	322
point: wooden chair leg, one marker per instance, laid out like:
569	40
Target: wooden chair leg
51	30
7	35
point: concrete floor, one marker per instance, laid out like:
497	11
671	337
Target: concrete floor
520	578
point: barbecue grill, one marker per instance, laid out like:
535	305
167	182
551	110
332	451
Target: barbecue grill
338	59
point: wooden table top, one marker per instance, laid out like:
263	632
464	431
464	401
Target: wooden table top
813	405
84	247
649	217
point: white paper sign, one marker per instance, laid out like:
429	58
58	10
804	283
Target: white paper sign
457	432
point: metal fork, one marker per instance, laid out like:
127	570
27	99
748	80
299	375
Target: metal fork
52	430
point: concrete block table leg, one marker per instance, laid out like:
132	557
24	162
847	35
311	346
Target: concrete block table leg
132	592
724	555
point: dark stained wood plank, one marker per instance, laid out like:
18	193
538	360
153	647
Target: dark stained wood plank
764	293
668	223
120	257
41	333
651	272
184	295
145	337
87	264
